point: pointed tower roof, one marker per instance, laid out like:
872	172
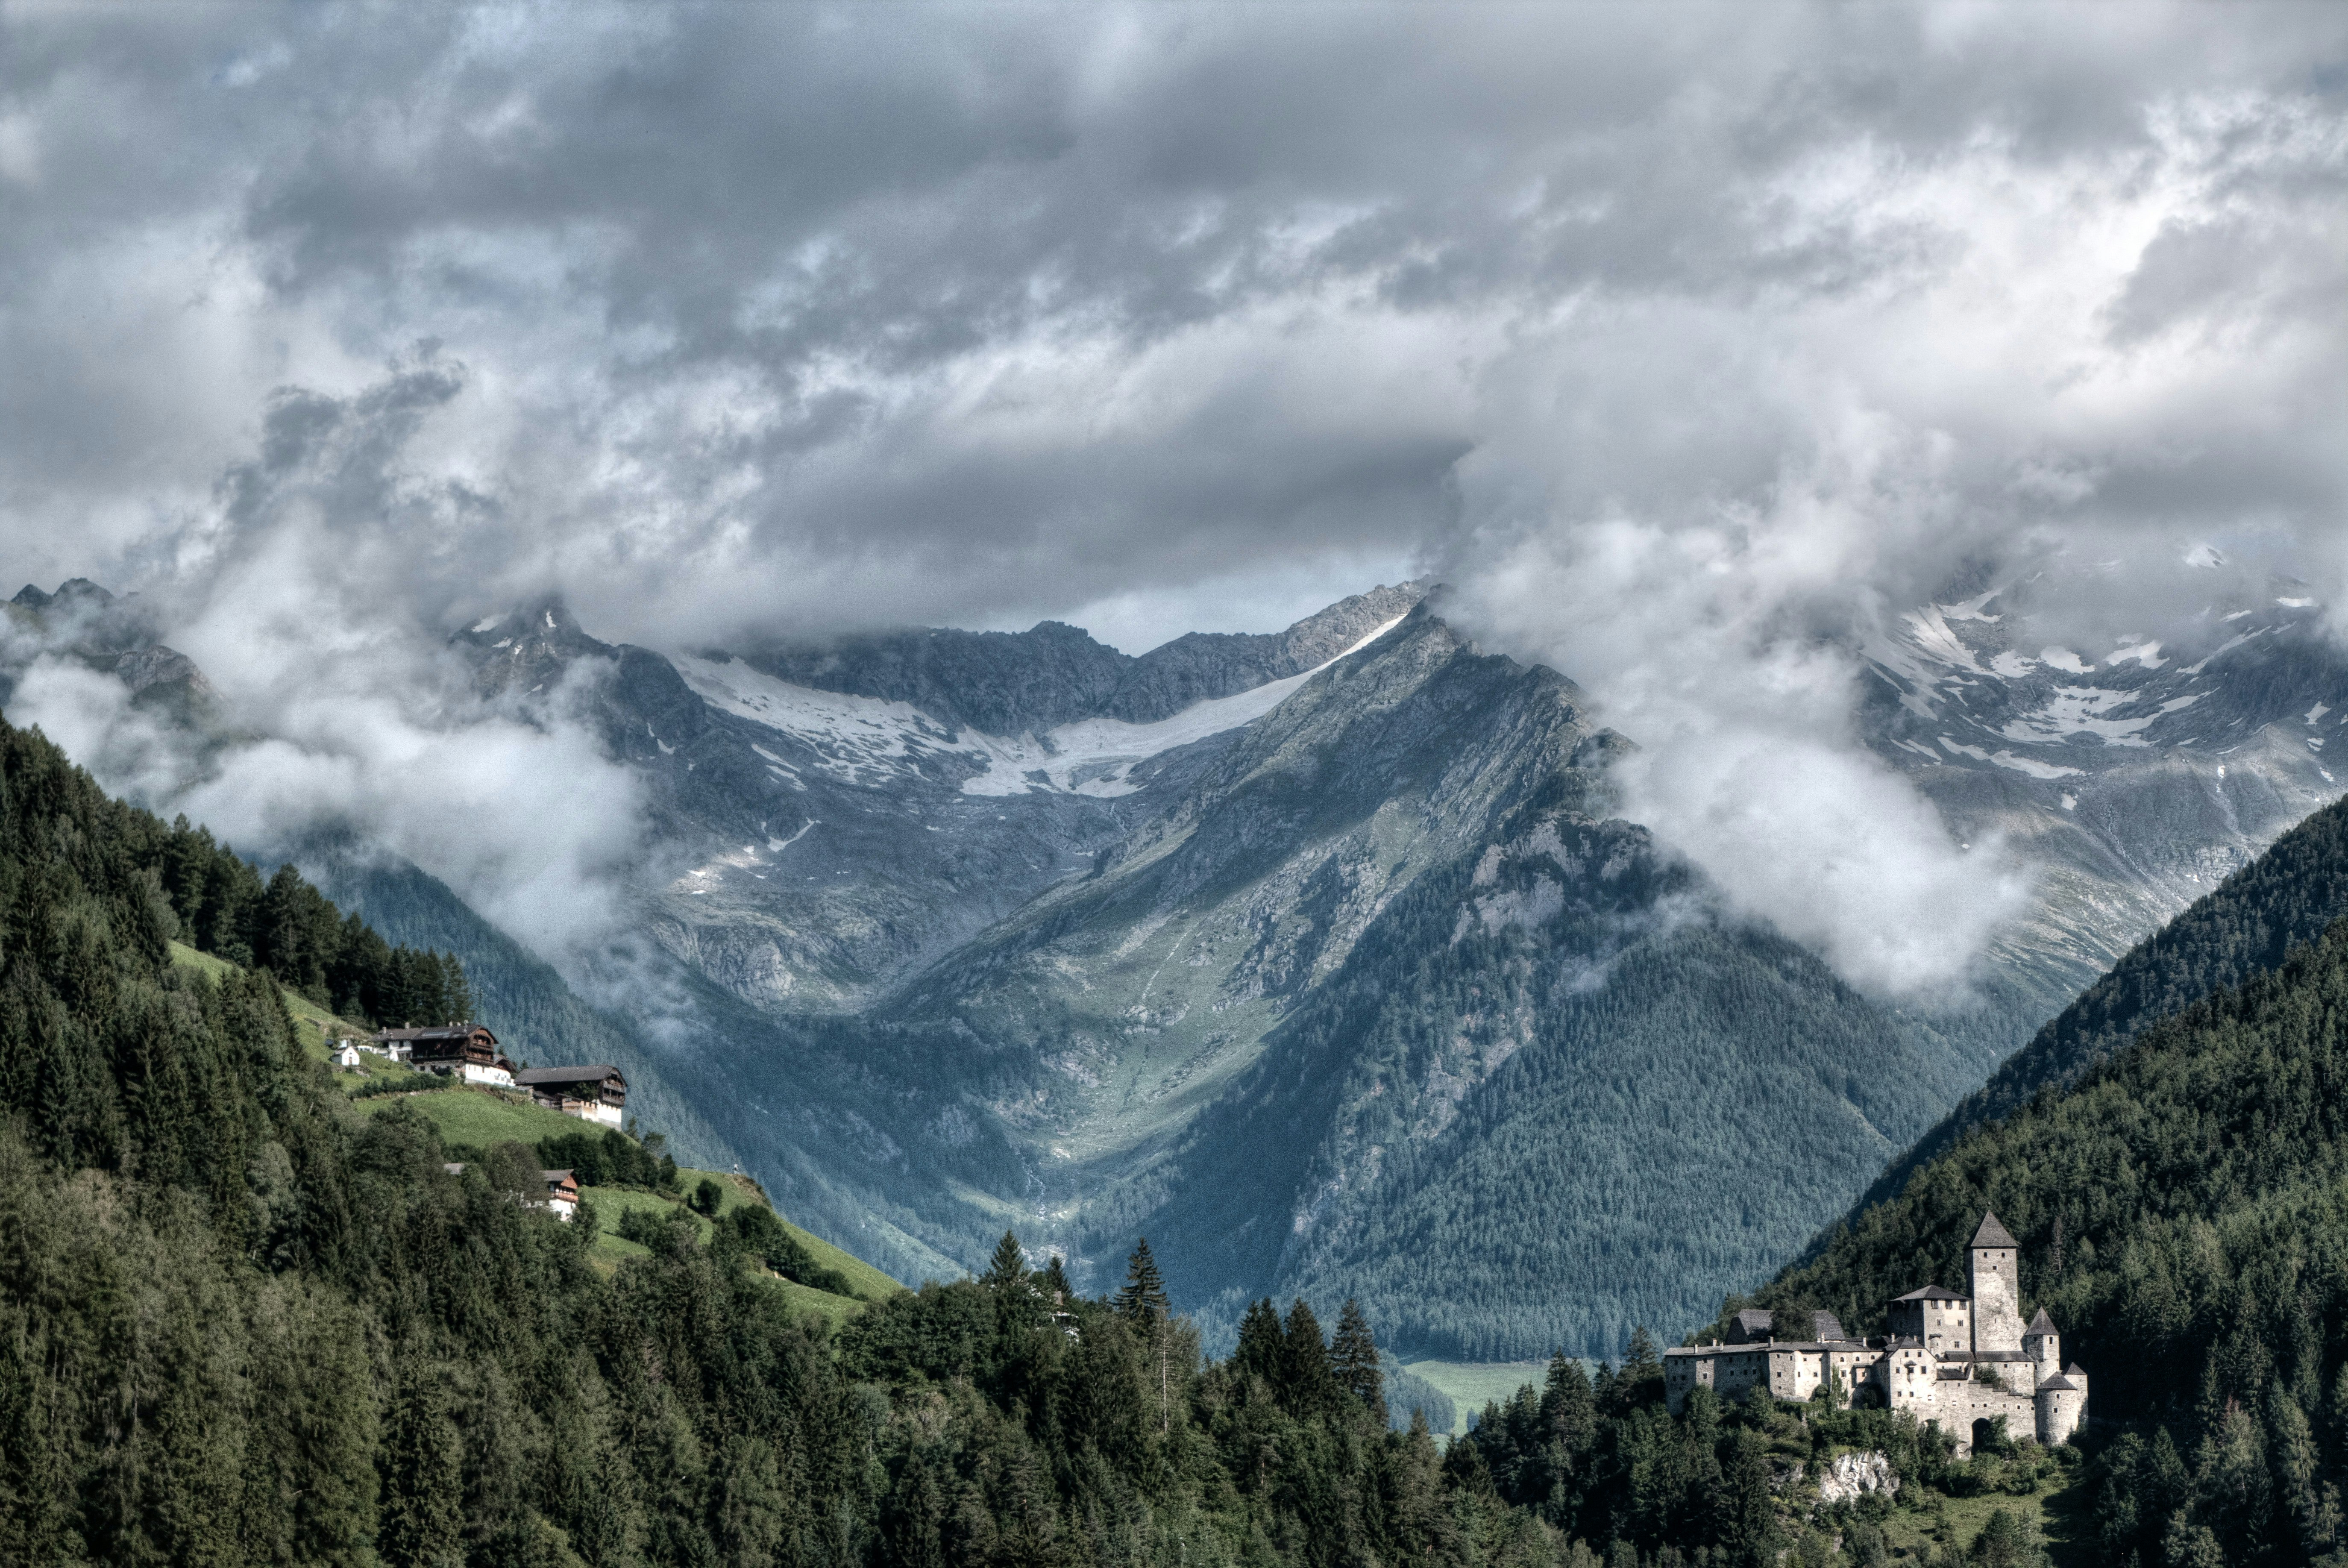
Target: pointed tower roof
2042	1324
1992	1233
2074	1370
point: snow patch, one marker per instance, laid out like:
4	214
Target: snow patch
1932	635
484	626
866	740
1972	609
2005	758
1097	756
2296	603
2064	659
2034	767
2147	655
2092	710
2318	711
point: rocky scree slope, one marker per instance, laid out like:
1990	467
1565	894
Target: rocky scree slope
2134	779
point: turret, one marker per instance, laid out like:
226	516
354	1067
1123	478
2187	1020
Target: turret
2043	1345
1997	1288
2062	1405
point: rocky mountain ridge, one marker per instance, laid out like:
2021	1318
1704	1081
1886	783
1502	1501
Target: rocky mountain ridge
1325	957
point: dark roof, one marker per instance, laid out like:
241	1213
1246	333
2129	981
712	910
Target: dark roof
1826	1325
2075	1369
2042	1324
451	1032
1931	1292
1992	1233
2058	1386
591	1072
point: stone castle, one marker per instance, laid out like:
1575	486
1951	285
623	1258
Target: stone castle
1958	1362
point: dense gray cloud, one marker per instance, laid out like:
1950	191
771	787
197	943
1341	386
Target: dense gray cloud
1678	337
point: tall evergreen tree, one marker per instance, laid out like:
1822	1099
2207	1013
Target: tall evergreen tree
1305	1378
1354	1359
1008	1268
1143	1298
1261	1351
1568	1409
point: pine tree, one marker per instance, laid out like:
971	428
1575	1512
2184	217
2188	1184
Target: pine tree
1354	1359
1055	1281
1008	1268
1016	1308
1143	1299
1305	1378
1261	1351
1569	1406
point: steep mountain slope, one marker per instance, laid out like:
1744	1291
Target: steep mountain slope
2180	1216
1555	1093
540	1019
819	845
2135	782
2287	896
1324	956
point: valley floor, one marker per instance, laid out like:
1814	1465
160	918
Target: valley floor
1473	1384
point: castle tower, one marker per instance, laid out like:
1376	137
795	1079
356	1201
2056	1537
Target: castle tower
1997	1289
2062	1405
2043	1345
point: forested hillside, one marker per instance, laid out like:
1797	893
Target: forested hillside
2247	925
1553	1094
538	1017
2182	1216
243	1321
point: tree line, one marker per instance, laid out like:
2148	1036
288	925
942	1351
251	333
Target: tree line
2181	1218
243	1320
207	895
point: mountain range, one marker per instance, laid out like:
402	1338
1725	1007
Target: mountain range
1326	959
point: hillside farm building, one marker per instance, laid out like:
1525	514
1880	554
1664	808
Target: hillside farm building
597	1092
1958	1362
464	1050
561	1194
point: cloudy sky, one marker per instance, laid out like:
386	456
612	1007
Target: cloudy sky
1670	334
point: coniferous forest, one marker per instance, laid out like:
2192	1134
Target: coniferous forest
244	1322
2181	1215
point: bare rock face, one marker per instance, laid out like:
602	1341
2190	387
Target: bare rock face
1324	957
1848	1477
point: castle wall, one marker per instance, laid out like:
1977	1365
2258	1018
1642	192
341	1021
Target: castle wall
1927	1366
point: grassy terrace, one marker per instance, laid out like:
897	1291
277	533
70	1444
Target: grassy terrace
480	1116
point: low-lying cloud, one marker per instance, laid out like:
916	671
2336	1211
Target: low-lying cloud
1687	342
